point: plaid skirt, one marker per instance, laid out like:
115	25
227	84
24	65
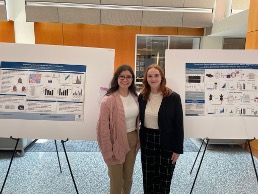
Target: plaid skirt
157	167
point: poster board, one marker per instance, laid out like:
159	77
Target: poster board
215	126
98	71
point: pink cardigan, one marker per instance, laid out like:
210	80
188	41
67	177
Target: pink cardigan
111	129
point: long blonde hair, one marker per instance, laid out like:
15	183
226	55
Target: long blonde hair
146	87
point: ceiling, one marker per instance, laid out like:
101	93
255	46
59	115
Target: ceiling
162	13
153	13
233	26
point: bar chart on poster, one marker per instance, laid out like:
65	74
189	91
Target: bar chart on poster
50	92
219	91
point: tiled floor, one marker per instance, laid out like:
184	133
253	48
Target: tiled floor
225	170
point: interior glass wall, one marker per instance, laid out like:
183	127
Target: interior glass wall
234	43
151	50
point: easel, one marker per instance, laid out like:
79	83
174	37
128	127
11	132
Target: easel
207	139
63	144
62	141
17	141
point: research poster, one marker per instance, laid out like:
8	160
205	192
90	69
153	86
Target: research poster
42	91
218	89
221	89
52	92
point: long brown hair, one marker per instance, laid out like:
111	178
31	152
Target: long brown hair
146	87
114	82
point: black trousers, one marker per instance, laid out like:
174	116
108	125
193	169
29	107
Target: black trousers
157	167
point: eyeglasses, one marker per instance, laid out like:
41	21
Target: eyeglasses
123	77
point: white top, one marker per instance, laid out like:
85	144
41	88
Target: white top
131	112
151	112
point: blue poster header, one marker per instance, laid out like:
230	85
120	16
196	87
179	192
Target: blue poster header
43	66
221	66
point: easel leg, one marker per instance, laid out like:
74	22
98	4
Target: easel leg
248	141
14	151
197	156
62	141
199	166
58	157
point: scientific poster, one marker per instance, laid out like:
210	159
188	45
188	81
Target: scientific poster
218	90
221	89
42	91
52	92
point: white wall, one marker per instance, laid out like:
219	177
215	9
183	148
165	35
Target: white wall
24	31
211	42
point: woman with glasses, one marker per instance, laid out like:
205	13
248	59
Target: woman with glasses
161	132
117	129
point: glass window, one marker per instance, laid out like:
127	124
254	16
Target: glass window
234	43
184	42
151	50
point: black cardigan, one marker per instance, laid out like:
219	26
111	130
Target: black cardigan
170	122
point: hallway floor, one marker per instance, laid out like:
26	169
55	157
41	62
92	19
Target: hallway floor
226	169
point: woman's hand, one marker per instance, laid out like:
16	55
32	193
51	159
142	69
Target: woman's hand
174	157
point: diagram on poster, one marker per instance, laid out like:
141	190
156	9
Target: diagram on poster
42	91
221	89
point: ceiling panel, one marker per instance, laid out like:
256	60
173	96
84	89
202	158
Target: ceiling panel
41	14
78	15
79	1
68	1
162	19
163	3
197	20
99	12
199	3
121	17
41	0
121	2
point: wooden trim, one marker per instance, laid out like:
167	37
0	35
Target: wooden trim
252	17
158	30
120	38
48	33
7	32
252	40
191	31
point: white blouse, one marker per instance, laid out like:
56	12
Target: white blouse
152	110
131	112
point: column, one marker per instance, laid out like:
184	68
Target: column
252	44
